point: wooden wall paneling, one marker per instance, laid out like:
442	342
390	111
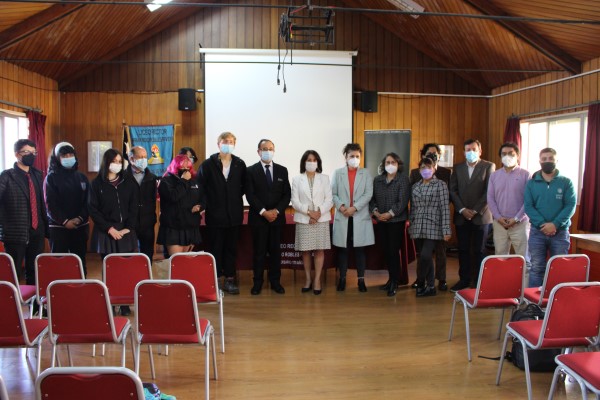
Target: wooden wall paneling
268	30
595	82
437	118
228	31
30	89
240	31
572	91
423	117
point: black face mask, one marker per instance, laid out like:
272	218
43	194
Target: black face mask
432	156
28	159
181	172
548	167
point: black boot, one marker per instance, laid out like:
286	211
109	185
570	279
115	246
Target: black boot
392	289
361	285
341	284
386	286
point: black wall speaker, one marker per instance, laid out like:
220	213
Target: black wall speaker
367	102
187	99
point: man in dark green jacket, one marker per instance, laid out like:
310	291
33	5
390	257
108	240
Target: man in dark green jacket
550	201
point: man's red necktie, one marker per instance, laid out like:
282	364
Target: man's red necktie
33	203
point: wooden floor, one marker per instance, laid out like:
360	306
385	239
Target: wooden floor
347	345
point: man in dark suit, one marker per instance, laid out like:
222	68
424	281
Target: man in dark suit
268	192
434	152
472	217
23	219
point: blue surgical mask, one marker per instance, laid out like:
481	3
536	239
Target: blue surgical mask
227	148
472	156
266	156
68	162
141	163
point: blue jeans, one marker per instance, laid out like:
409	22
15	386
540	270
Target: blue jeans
539	246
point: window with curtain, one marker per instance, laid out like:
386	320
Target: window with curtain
12	128
566	134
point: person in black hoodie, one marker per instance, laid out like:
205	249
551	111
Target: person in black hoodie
146	184
179	207
113	207
23	222
222	177
66	192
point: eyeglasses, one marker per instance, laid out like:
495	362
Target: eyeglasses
27	152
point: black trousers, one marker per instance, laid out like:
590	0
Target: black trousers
471	239
266	239
223	245
440	260
425	273
359	254
393	237
27	252
146	241
63	240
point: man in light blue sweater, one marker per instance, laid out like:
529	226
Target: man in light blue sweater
550	202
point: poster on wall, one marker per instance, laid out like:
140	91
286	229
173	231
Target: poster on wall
158	142
95	151
447	156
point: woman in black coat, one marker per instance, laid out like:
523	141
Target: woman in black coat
66	192
389	206
179	207
114	206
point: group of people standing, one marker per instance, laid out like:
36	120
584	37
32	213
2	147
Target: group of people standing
531	213
122	204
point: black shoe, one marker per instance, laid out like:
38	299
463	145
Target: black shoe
415	284
230	287
386	286
460	285
361	285
125	311
426	291
442	286
392	289
256	289
341	286
277	288
317	292
307	289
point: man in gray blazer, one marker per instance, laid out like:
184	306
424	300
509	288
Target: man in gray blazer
468	191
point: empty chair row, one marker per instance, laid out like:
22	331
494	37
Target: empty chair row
121	272
79	312
501	284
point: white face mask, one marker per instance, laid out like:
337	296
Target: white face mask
391	169
115	168
509	161
354	162
311	166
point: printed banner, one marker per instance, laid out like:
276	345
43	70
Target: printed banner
158	142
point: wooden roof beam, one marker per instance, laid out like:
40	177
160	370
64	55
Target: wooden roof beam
35	23
520	29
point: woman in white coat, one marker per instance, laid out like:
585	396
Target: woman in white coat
352	189
311	199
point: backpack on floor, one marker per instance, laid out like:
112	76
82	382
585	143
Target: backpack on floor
539	360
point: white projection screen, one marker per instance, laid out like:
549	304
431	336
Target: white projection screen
242	97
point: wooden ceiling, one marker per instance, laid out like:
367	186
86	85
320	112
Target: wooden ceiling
61	39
